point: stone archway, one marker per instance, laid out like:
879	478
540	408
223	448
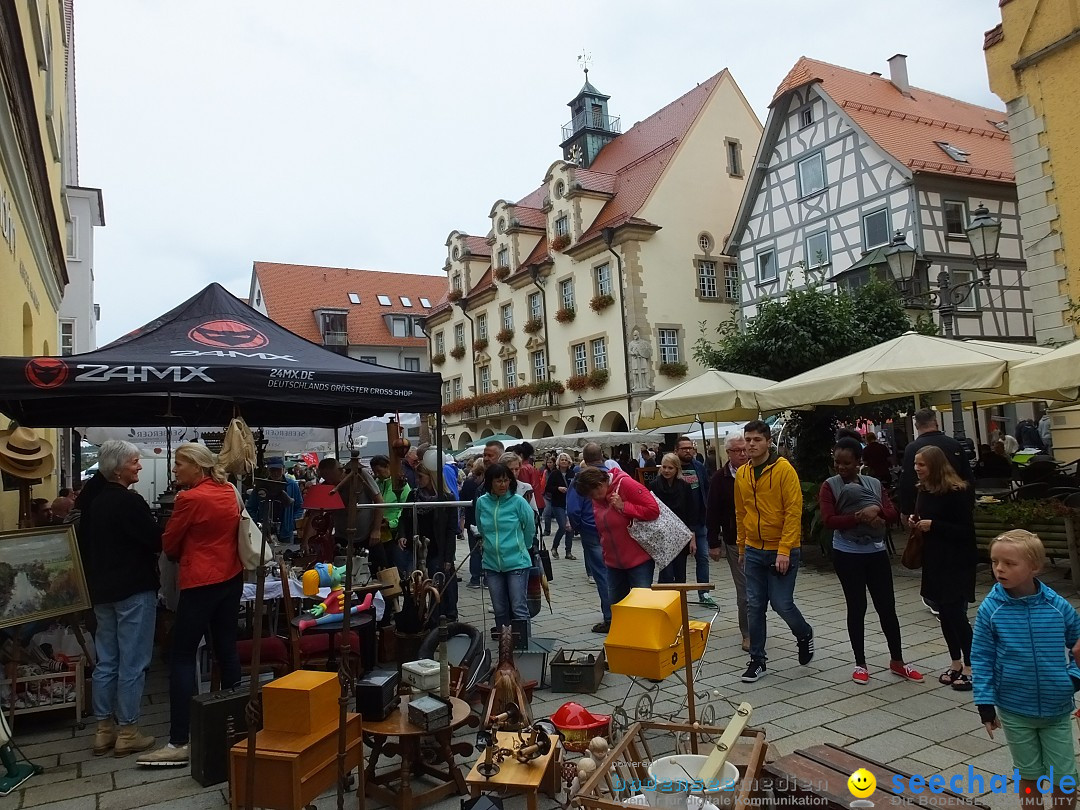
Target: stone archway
613	422
464	440
515	431
447	445
575	424
542	430
487	432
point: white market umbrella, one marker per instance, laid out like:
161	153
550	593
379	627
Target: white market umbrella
1057	371
714	396
908	365
605	439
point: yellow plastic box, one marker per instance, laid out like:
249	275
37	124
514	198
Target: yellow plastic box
302	702
645	639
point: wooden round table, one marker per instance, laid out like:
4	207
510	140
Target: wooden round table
407	745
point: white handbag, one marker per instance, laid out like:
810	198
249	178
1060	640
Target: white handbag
663	538
249	540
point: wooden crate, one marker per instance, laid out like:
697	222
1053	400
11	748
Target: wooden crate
646	742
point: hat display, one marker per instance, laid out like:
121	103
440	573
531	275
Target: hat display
24	454
275	461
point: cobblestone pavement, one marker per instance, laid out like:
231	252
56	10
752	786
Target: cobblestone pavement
921	728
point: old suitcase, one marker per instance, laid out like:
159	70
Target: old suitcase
212	716
646	635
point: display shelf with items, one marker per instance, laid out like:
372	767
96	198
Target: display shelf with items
39	691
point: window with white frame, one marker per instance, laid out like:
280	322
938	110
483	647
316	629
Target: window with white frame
875	228
510	372
507	316
806	117
706	279
955	217
405	300
354	298
817	250
766	265
669	345
599	353
602	275
72	247
811	175
566	293
457	387
399	327
384	300
412	363
539	364
440	343
481	326
485	379
446	392
581	360
731	282
705	243
503	257
459	335
536	306
562	226
425	303
455	282
67	338
964	275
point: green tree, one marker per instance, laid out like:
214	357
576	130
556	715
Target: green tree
803	331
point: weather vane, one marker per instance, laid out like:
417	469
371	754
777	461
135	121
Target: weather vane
585	59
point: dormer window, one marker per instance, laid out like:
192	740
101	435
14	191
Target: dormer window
562	226
384	300
503	257
502	225
955	152
354	298
455	282
334	327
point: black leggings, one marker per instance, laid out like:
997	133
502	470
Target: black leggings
956	629
212	610
859	573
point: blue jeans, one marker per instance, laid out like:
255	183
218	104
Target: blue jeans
621	580
701	537
594	567
476	558
764	587
547	514
125	642
559	513
508	589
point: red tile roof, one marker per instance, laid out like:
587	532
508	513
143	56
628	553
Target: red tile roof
291	293
529	217
993	36
477	246
595	181
908	126
539	253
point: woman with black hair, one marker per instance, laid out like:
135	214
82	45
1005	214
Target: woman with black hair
858	511
506	522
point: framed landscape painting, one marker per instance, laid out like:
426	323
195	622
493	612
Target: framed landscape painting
41	575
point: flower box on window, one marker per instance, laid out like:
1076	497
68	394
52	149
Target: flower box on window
455	296
457	352
673	370
505	336
480	344
533	325
560	242
547	387
502	273
438	359
601	302
579	382
565	315
598	378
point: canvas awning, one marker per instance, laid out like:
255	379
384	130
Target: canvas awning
714	396
1057	370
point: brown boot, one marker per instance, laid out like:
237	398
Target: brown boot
105	737
130	741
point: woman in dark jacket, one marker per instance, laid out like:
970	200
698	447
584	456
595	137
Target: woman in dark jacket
437	525
670	489
556	485
119	542
945	514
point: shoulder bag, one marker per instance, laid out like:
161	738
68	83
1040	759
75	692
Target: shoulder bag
249	540
662	538
912	556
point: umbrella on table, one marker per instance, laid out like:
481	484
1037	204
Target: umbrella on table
1057	371
715	396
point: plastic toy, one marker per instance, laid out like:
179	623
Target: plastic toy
331	610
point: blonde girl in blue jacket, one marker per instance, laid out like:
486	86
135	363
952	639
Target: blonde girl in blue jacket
506	522
1022	670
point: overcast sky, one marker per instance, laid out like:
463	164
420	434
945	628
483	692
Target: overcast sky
359	134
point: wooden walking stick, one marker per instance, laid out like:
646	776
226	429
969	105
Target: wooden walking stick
344	675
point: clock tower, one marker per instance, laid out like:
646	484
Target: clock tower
590	128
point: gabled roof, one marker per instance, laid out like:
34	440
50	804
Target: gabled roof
477	246
530	217
909	125
292	292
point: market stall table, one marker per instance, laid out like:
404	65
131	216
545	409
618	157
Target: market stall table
516	777
394	788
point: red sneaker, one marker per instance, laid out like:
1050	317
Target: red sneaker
860	675
907	672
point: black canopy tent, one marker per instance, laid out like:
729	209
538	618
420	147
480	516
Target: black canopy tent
200	363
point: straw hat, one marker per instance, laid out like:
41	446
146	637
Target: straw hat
24	454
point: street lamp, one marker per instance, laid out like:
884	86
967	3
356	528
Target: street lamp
983	234
901	258
580	404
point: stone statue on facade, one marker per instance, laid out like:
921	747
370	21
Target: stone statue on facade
640	351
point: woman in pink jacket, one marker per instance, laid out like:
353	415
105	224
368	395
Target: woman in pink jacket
618	500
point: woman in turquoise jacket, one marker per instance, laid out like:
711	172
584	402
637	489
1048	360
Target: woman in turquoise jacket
506	522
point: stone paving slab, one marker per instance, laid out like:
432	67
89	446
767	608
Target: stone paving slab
922	728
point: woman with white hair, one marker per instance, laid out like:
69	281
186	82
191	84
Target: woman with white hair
119	542
201	535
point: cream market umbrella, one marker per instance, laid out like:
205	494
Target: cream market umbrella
602	438
911	364
715	396
1058	371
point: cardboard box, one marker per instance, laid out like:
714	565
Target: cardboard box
302	702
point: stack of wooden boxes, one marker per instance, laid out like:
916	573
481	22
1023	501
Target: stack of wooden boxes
296	751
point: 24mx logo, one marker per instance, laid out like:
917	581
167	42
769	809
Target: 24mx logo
227	334
181	374
46	372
